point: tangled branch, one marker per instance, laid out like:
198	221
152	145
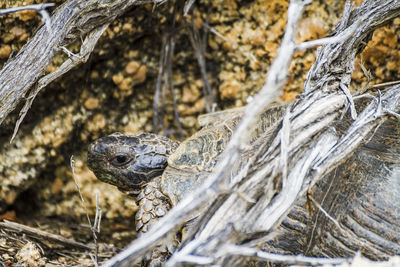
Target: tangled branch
303	149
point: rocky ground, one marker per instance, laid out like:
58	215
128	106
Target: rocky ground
114	91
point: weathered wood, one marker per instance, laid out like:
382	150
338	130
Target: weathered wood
302	151
43	235
70	21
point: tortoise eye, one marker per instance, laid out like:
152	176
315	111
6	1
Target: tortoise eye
120	160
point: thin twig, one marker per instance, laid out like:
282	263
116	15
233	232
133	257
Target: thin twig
172	88
97	220
367	74
346	92
380	85
156	116
325	212
273	257
285	141
233	44
37	7
74	60
196	41
188	5
94	226
329	40
275	80
214	31
40	234
41	8
72	163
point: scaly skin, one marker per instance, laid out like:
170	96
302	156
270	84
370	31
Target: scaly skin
362	194
134	164
130	162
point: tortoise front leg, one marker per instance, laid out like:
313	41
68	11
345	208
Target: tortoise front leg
152	205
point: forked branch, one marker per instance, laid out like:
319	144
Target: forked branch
314	149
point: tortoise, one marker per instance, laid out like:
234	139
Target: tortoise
362	194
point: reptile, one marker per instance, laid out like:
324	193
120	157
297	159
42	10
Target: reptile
362	194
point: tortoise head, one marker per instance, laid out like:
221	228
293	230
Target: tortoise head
129	162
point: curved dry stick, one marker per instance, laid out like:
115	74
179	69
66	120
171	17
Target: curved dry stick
332	68
276	79
69	22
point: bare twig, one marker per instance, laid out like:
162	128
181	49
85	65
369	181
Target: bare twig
329	40
276	79
386	84
72	163
349	97
165	80
97	220
156	117
40	234
233	44
313	149
37	7
188	5
96	226
198	47
214	31
86	49
324	211
273	257
68	23
367	74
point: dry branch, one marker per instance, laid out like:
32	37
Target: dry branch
314	148
37	7
69	22
42	235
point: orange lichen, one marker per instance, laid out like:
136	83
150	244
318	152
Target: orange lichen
190	94
117	78
289	96
381	56
132	67
5	51
140	75
26	15
91	103
229	89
